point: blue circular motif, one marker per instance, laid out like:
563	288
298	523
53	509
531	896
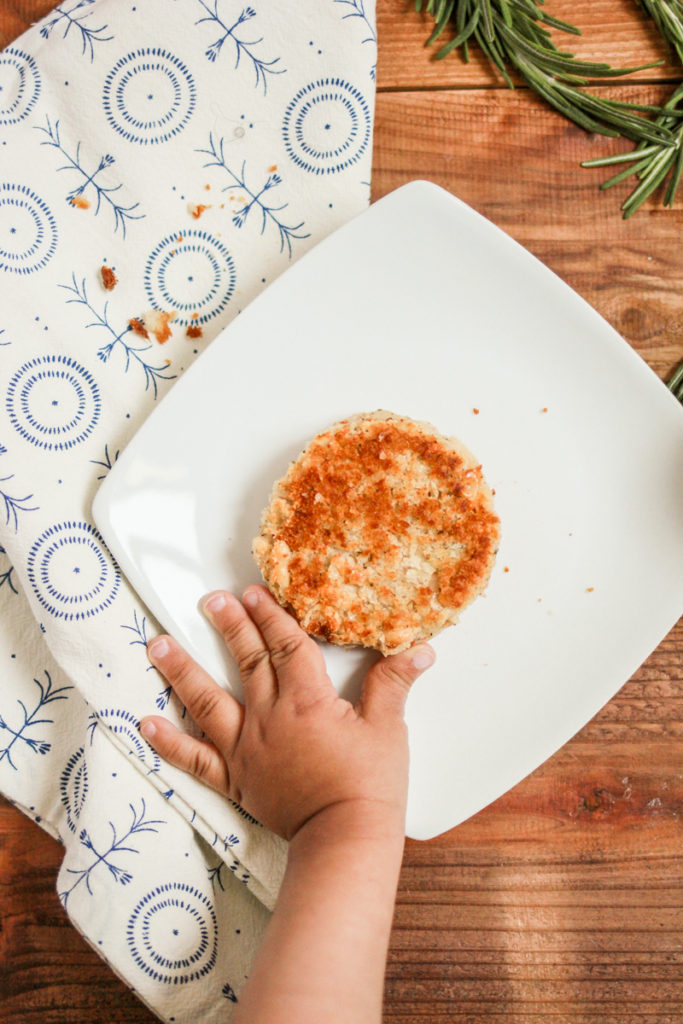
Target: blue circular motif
71	571
149	96
327	126
125	725
28	231
173	934
190	272
19	85
73	787
53	402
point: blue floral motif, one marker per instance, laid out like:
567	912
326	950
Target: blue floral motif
163	697
75	20
107	463
173	934
53	402
191	272
73	787
126	726
269	214
101	192
18	735
149	96
229	841
327	126
71	571
238	870
243	47
115	849
117	339
139	631
28	231
6	575
19	85
229	992
14	505
356	9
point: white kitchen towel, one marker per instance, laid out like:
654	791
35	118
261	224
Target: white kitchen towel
185	151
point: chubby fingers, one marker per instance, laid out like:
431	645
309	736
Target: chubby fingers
196	757
296	659
388	682
216	713
246	646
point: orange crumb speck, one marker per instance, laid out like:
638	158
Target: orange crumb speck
157	321
590	590
222	206
544	409
273	168
138	327
194	331
80	202
197	209
167	361
506	569
207	187
476	412
195	316
179	238
109	278
493	490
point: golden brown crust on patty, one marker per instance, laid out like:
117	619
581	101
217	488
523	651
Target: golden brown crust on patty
379	534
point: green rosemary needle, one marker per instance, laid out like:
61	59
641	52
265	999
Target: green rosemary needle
675	382
668	17
516	34
651	163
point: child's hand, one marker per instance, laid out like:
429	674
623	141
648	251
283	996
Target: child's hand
296	748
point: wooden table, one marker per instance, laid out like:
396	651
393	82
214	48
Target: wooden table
563	900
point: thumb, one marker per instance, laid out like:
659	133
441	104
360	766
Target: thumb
388	682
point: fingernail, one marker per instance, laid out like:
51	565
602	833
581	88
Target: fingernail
214	603
423	658
148	730
159	648
251	598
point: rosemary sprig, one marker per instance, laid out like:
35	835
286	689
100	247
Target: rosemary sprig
516	33
668	17
651	163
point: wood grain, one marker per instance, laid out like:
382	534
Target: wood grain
18	15
613	31
563	900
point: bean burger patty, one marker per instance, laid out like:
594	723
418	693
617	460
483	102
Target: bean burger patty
379	534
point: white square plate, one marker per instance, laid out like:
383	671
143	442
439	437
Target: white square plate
423	307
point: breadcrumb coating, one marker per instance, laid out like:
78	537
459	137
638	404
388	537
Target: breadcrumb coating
379	534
